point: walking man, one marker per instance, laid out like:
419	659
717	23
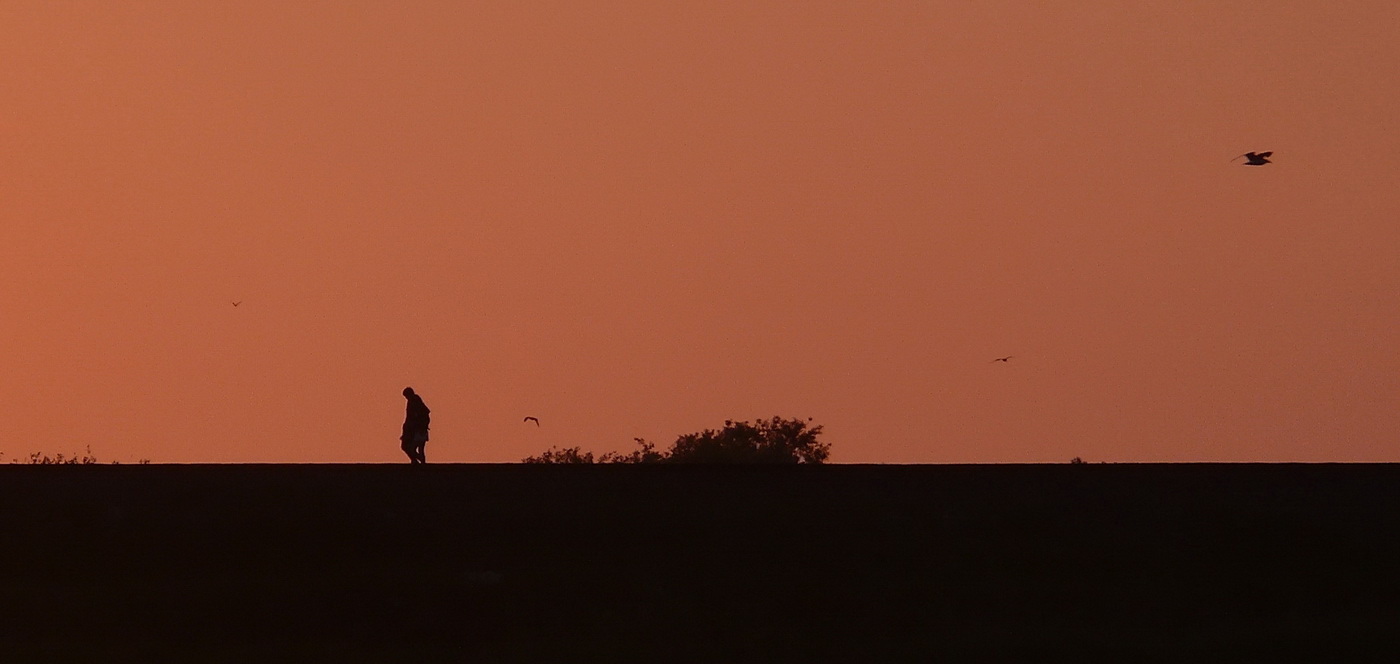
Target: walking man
415	427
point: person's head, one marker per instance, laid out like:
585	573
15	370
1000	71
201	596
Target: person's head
408	391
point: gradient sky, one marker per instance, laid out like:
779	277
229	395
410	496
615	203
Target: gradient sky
640	219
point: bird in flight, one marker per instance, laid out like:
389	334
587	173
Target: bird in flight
1004	359
536	420
1256	158
238	303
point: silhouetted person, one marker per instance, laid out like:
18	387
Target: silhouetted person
415	427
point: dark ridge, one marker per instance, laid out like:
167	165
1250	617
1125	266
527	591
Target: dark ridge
350	563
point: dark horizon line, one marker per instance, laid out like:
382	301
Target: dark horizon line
866	464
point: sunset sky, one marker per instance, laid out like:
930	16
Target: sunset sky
640	219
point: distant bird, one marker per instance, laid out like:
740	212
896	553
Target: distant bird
1256	158
536	420
1004	359
238	303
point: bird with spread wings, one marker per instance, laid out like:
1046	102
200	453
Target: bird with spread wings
1256	158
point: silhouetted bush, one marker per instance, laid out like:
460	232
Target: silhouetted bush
775	441
765	441
60	459
645	453
556	455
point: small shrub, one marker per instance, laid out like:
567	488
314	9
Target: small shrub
572	455
645	453
776	441
60	459
773	441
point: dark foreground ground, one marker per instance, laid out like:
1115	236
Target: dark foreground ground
1140	563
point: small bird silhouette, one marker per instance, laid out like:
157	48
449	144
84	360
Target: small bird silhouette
1256	158
1004	359
238	303
536	420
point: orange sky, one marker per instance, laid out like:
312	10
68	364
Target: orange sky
643	218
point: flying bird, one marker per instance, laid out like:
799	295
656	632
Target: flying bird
1256	158
1004	359
238	303
536	420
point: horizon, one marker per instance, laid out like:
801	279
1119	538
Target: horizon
634	220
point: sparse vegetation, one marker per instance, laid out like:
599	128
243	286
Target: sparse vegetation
59	459
775	441
567	456
86	458
645	453
1076	461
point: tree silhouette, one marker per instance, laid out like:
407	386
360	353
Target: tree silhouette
774	441
765	441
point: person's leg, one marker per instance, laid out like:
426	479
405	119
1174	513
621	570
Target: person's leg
409	450
422	458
